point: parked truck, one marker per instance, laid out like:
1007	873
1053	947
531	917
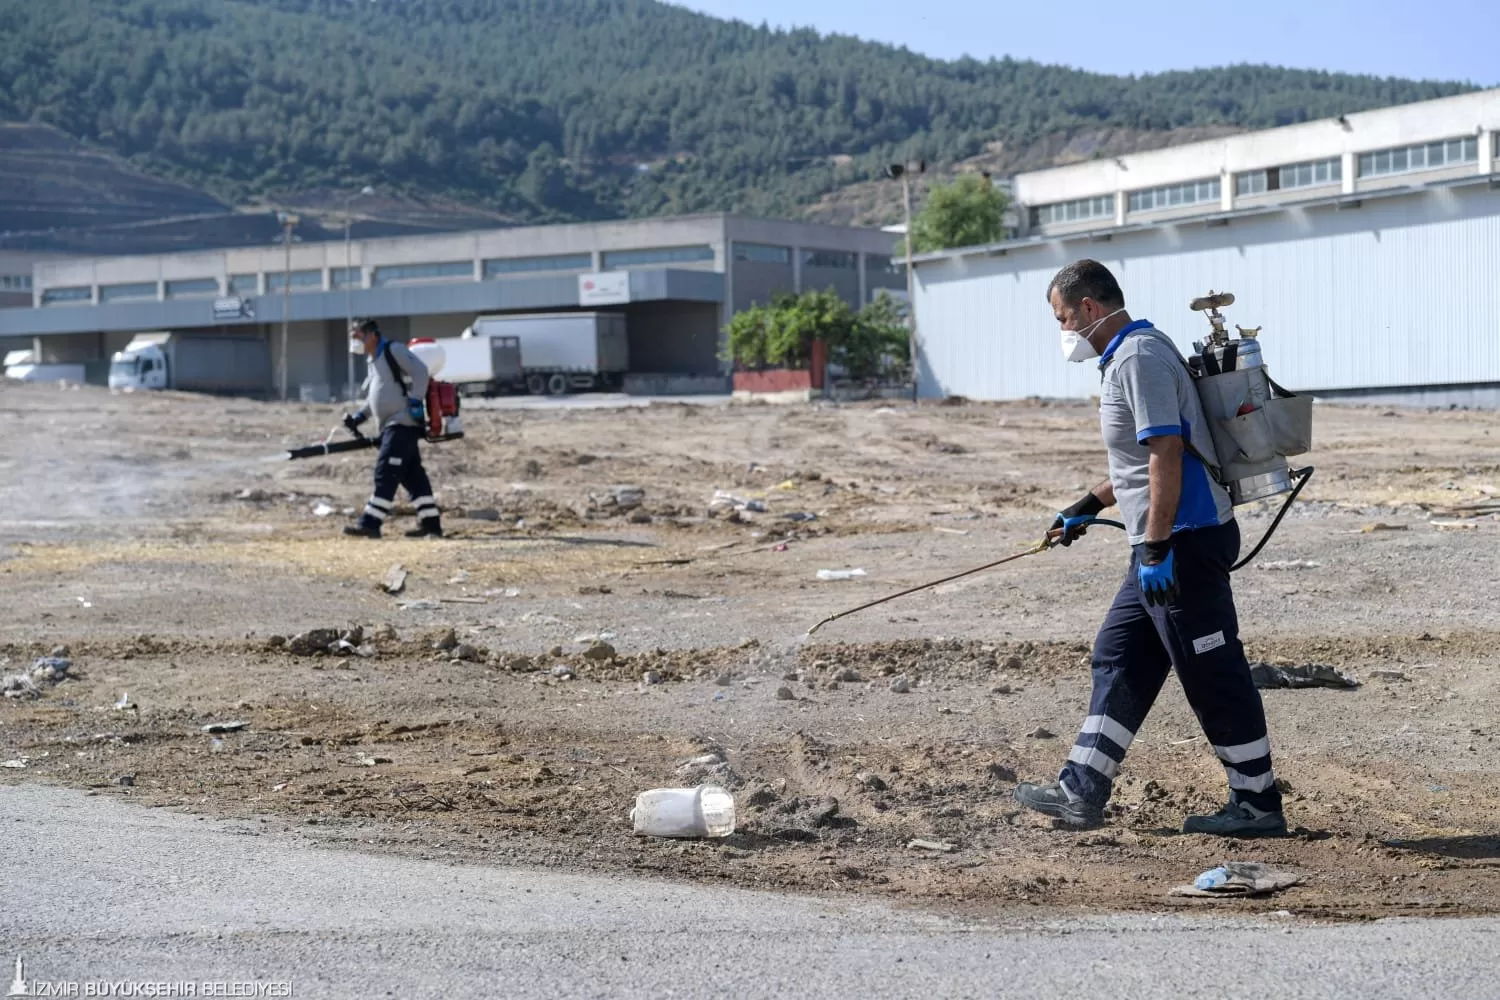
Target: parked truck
482	365
227	365
23	366
559	352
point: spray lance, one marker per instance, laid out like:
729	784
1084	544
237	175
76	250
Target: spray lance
1255	425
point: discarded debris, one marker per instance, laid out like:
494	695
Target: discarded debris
1238	879
467	653
365	760
323	510
706	811
1390	675
44	673
483	514
225	727
1304	675
420	606
1381	526
650	677
800	517
939	846
17	763
562	672
871	781
1286	564
1042	733
840	574
394	580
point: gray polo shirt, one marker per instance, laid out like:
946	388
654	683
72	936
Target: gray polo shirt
383	395
1147	392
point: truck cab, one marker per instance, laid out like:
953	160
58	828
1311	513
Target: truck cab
141	365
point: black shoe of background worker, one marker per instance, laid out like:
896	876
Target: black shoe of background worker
428	527
1175	607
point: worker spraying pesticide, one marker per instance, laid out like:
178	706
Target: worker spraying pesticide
1175	607
395	388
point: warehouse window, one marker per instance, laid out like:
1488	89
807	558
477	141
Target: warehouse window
397	274
345	277
1293	175
133	291
1078	210
499	266
15	282
302	281
1174	196
1428	156
244	284
67	296
762	254
836	260
616	259
188	288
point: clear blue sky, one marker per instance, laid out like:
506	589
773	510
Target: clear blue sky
1431	39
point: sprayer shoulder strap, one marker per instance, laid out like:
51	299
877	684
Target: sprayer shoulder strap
396	370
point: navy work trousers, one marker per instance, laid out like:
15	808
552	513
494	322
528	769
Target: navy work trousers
399	465
1198	634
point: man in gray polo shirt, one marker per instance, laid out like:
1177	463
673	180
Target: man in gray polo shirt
1175	607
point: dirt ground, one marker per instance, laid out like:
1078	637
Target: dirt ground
150	535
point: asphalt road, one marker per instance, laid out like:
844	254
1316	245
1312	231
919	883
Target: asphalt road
97	891
586	401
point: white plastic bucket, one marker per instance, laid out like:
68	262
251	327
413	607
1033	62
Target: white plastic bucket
706	811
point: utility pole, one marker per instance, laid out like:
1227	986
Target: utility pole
902	172
288	221
363	192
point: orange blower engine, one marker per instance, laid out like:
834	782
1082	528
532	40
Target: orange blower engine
443	422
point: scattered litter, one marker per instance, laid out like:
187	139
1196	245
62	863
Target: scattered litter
85	602
394	580
801	516
725	499
367	761
1305	675
421	606
788	484
462	576
1454	525
225	727
1042	733
931	845
462	600
840	574
319	641
124	703
901	684
951	531
1239	878
711	759
483	514
323	510
706	811
629	497
18	762
1381	526
1390	675
562	672
1286	564
650	677
45	672
126	781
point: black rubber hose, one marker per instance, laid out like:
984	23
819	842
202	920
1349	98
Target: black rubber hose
1305	475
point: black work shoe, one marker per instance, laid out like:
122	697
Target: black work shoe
1051	800
361	531
1238	820
426	527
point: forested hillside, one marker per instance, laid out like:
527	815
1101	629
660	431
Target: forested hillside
553	109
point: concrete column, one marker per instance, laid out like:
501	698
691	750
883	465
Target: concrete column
1486	152
864	290
1350	162
597	260
1122	202
1226	191
797	270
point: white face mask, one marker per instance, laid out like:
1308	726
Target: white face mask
356	346
1075	343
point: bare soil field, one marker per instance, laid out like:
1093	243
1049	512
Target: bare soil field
562	650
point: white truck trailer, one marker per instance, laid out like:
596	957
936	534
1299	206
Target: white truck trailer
559	352
213	363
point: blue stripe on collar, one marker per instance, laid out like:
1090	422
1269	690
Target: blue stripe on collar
1119	338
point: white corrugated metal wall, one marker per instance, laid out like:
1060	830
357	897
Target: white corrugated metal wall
1401	292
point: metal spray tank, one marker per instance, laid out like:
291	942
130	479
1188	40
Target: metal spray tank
1255	423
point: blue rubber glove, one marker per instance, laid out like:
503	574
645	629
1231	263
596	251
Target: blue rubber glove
1072	522
415	411
1157	573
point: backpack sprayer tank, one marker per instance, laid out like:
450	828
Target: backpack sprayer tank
1255	423
443	421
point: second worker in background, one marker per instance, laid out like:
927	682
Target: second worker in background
394	389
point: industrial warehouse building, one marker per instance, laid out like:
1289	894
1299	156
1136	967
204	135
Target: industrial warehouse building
1365	247
677	280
